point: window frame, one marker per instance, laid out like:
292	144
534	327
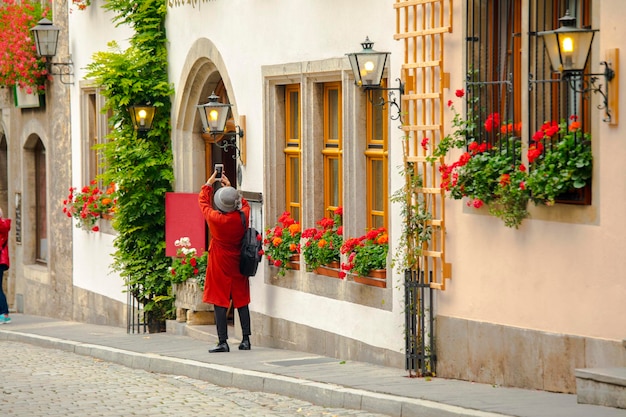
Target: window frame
376	149
95	130
293	152
332	149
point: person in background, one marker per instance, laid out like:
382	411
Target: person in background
5	227
223	281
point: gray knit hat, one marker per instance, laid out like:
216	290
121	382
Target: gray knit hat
227	199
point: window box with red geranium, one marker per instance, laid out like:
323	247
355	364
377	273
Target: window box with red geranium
282	243
560	160
19	64
367	257
489	173
323	243
90	204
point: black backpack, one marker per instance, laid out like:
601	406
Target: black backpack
251	246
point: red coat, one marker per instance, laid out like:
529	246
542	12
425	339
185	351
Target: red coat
223	280
5	226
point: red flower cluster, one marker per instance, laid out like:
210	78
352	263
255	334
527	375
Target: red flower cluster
282	241
449	176
19	64
323	243
492	122
89	204
366	252
81	4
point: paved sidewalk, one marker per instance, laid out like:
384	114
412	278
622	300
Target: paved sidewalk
320	380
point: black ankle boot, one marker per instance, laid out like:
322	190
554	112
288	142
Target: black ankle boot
245	344
221	347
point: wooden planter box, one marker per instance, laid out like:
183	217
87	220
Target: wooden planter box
331	270
376	278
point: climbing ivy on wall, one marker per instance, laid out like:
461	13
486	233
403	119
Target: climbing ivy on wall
140	163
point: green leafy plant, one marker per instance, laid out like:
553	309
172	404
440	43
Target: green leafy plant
282	242
562	164
141	164
486	173
511	197
187	264
416	228
19	64
493	176
365	253
323	244
90	204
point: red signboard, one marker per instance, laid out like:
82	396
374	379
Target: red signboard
183	218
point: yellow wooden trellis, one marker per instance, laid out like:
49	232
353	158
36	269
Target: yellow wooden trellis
421	26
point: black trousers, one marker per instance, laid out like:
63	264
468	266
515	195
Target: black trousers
222	324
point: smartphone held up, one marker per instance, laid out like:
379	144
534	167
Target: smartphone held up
219	168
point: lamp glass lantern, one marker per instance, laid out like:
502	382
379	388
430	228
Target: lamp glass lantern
368	65
142	116
568	47
46	38
214	114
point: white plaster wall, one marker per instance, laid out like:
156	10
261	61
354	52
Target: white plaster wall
90	31
249	35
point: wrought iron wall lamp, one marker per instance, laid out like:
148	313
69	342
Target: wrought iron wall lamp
46	40
142	116
368	66
214	116
568	48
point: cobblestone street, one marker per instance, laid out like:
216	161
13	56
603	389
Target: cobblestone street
37	381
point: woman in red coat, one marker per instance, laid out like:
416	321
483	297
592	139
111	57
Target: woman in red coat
5	226
223	281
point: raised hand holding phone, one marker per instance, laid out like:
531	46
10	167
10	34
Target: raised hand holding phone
219	169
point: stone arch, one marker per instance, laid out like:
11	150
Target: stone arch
203	72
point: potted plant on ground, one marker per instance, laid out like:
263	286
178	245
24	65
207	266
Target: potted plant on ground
323	244
282	243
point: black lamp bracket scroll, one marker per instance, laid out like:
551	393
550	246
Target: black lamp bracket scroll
229	142
392	100
580	85
64	70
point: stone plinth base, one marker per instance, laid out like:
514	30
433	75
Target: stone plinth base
197	318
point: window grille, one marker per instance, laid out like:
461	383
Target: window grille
550	98
492	62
